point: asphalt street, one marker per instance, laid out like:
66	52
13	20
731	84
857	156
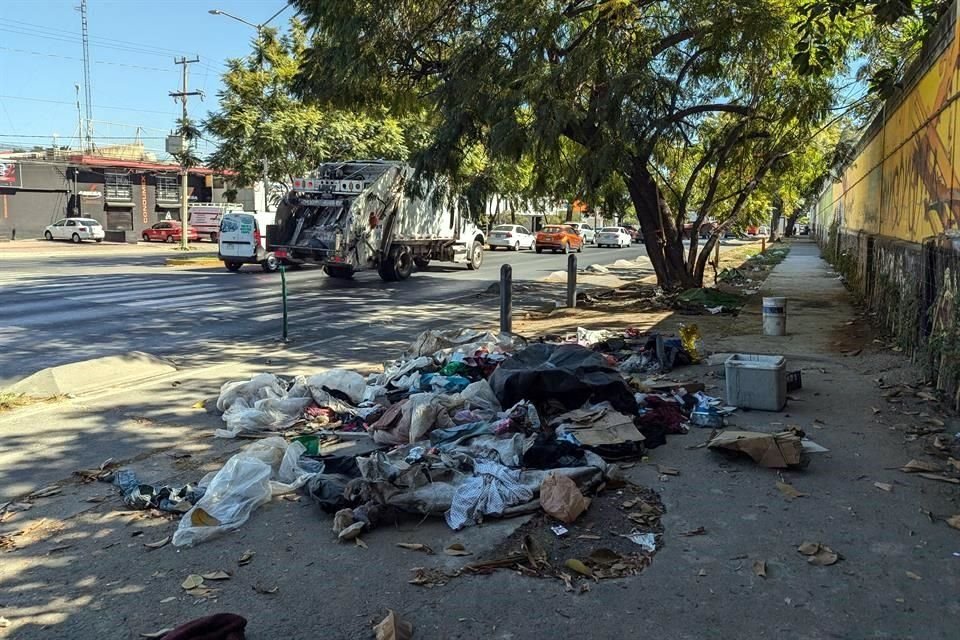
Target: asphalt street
69	306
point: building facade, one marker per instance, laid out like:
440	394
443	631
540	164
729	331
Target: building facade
125	196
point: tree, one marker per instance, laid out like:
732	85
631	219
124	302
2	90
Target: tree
594	91
259	118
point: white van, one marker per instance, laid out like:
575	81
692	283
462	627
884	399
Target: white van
205	217
243	240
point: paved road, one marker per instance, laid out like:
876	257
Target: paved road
64	308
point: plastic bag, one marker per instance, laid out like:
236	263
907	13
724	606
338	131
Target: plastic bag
691	341
265	414
349	383
561	498
264	385
479	395
242	485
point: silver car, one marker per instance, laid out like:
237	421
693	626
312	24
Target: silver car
584	230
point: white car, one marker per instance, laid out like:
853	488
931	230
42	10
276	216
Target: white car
510	236
75	229
614	237
584	230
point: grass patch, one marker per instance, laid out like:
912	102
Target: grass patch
10	400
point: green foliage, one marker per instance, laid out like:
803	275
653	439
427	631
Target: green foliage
260	117
603	101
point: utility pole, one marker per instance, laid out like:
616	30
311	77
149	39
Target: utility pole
183	95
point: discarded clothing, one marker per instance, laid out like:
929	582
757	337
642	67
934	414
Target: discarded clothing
569	374
493	489
145	496
219	626
662	412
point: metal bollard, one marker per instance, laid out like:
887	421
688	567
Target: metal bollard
571	281
283	296
506	299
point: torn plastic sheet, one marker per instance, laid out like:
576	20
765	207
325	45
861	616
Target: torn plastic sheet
261	470
428	488
444	344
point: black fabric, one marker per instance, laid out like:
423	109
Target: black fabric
548	453
219	626
329	491
654	433
569	373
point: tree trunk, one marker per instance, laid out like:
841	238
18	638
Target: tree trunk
664	246
704	257
775	218
791	223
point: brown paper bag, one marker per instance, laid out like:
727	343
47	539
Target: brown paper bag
560	498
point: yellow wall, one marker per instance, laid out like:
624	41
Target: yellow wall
905	183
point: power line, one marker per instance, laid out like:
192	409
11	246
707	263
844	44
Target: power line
56	55
98	106
121	45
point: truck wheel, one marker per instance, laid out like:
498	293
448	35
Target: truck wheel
422	263
386	272
402	263
476	257
232	266
270	264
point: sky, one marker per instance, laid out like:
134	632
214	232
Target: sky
133	44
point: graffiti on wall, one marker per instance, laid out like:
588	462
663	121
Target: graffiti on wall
905	182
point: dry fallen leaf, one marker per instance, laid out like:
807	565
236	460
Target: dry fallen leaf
360	543
913	576
265	590
701	573
789	490
760	568
588	536
246	557
393	628
954	521
875	410
456	549
170	599
667	471
199	404
915	466
576	565
157	634
200	518
216	575
157	544
699	531
192	581
46	492
940	477
416	546
818	554
883	486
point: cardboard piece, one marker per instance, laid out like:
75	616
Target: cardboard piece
599	426
774	450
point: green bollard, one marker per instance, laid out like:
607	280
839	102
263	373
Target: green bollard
283	295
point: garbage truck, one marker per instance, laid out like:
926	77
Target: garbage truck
362	215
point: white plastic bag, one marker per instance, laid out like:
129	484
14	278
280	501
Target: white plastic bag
347	382
242	485
479	395
264	385
265	414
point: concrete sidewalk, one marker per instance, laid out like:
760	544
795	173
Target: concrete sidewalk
86	576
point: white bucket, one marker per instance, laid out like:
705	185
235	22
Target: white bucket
774	316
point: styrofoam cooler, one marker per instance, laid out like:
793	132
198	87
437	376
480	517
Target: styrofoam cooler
756	382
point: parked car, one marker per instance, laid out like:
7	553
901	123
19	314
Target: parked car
242	240
510	236
614	237
557	237
75	229
584	230
169	231
635	234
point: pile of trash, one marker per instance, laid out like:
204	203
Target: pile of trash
465	425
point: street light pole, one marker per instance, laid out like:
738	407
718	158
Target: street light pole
265	166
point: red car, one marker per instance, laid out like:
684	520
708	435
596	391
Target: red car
169	231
